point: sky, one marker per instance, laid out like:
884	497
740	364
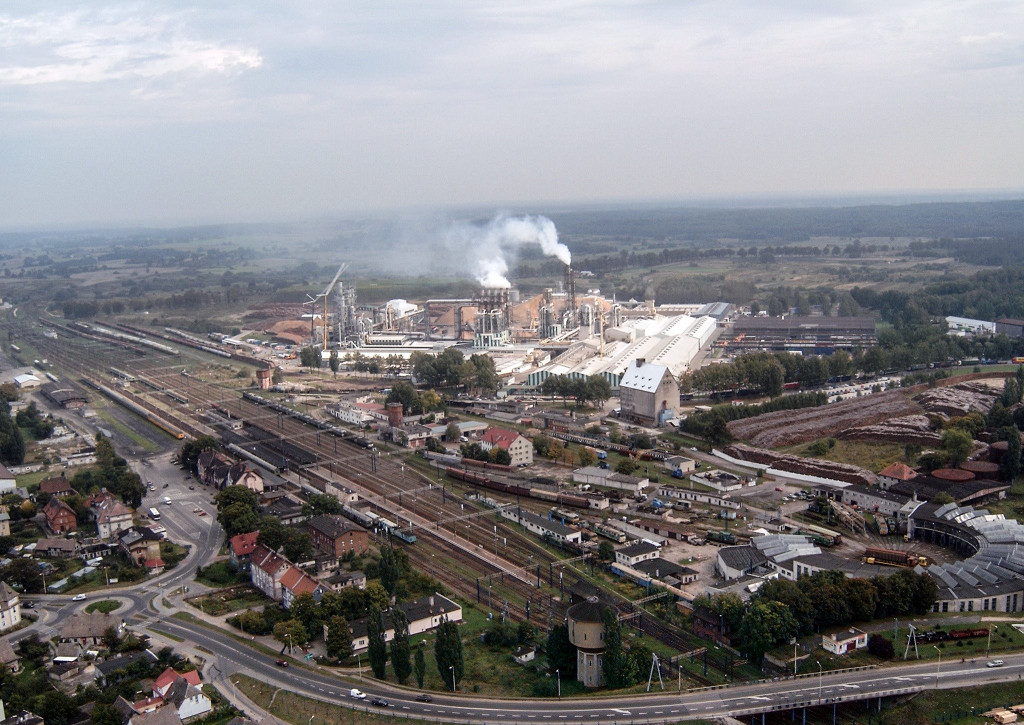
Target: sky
149	112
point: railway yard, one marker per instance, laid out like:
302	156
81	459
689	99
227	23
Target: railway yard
459	538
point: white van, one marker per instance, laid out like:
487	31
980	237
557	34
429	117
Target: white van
167	500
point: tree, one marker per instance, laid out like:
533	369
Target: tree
376	649
957	445
189	453
238	518
448	653
881	647
400	648
452	433
605	551
334	362
104	714
1010	463
404	393
419	665
389	569
598	390
339	641
764	625
585	456
290	633
626	466
305	609
377	596
499	455
561	652
614	662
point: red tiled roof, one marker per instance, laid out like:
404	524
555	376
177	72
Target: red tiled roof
154	563
266	560
168	676
244	544
899	471
298	582
500	437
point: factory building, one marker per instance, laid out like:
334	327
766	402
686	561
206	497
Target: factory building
1009	327
672	342
806	335
648	393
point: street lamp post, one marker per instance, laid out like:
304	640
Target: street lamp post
937	666
819	680
452	668
988	647
558	680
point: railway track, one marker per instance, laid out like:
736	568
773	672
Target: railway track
395	485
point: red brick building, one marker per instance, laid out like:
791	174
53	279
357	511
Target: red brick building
336	536
60	518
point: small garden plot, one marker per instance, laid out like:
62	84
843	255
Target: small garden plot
226	601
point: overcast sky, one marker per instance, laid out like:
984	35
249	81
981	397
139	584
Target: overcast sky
246	111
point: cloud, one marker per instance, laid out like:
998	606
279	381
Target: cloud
110	45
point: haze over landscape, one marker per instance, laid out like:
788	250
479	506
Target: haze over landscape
149	113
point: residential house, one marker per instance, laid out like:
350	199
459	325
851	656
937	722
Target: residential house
168	677
242	474
58	548
10	607
141	546
424	614
108	667
213	467
8	657
242	546
520	448
341	579
265	571
87	628
57	486
295	582
286	510
160	716
22	718
336	535
60	518
189	702
7	483
5	525
111	517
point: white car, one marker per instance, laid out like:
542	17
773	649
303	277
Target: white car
994	663
78	598
356	694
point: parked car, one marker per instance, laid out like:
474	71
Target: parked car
356	694
380	702
282	663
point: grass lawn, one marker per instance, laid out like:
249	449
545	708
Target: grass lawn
873	456
221	574
953	706
31	480
113	422
226	601
106	606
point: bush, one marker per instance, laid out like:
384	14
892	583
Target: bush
881	647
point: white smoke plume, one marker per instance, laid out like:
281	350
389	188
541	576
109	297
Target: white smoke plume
488	244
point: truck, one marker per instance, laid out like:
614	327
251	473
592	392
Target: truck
677	472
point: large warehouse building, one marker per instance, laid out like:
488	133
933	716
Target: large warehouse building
811	335
672	342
